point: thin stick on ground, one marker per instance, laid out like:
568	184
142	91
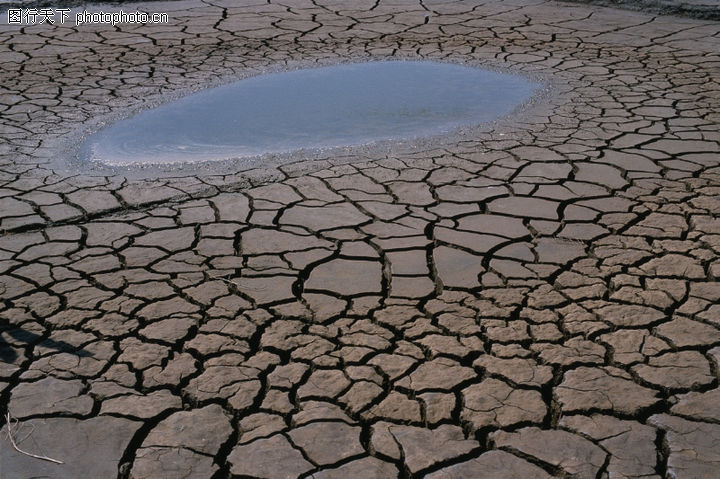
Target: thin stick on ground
239	285
15	446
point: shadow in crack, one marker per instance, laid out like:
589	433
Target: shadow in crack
8	353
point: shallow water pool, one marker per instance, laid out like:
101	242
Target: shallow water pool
343	105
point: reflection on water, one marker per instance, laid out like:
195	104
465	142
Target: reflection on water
313	108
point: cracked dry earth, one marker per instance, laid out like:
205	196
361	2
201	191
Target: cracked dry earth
537	300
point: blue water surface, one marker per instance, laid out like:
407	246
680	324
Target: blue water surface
343	105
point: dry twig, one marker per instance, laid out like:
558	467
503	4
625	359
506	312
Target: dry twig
238	285
15	446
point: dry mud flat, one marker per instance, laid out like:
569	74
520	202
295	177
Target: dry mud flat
536	300
702	9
